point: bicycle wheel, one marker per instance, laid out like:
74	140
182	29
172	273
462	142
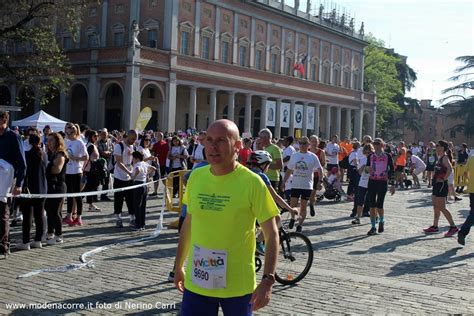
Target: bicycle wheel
295	259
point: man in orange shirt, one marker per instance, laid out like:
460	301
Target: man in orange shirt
346	148
400	163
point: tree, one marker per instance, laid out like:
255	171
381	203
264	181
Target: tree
461	98
381	76
30	53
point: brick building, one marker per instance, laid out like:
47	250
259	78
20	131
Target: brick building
194	61
436	124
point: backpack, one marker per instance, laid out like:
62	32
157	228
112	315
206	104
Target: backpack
99	168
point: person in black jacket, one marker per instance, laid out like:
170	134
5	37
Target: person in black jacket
11	151
35	183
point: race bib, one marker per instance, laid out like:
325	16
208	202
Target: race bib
209	268
431	159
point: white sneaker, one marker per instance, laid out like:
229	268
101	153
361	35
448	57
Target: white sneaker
59	239
22	246
19	217
36	244
51	240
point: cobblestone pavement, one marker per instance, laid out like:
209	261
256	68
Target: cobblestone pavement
399	271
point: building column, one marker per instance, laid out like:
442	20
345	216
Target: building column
170	112
359	116
277	119
235	39
231	106
248	114
197	29
374	122
192	107
317	109
212	105
328	122
103	23
305	119
338	121
217	34
348	123
292	118
263	112
92	97
132	95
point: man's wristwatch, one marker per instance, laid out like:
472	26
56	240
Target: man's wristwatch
270	278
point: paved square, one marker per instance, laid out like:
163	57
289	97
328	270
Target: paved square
399	271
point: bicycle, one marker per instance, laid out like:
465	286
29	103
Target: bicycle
295	257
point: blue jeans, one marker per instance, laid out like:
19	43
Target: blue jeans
466	227
195	304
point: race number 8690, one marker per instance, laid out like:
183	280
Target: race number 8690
201	274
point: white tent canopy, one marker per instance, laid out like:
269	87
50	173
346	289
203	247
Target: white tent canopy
40	120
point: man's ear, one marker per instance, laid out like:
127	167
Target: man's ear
238	145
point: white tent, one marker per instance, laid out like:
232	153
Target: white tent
40	120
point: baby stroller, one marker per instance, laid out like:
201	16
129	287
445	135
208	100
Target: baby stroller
331	193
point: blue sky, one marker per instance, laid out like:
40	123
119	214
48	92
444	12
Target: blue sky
430	33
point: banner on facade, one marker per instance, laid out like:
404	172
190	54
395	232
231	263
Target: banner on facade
271	114
285	115
143	119
298	119
310	118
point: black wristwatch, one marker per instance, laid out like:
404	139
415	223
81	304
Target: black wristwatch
269	277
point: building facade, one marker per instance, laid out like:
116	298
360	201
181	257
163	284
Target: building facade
194	61
436	124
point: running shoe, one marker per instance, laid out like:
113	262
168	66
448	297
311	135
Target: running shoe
457	198
431	230
356	221
381	227
22	246
299	228
291	224
451	232
36	244
51	240
59	240
260	248
68	220
93	208
77	222
171	277
461	238
372	232
312	212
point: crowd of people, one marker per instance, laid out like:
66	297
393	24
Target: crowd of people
292	173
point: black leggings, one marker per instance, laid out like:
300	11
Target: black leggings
91	185
29	208
176	181
376	192
139	203
73	182
53	207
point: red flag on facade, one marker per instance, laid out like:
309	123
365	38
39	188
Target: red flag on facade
299	66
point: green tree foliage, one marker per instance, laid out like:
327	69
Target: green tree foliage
381	76
460	97
29	51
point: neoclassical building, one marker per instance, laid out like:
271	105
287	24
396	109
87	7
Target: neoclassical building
194	61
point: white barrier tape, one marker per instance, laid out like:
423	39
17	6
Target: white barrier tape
90	263
80	194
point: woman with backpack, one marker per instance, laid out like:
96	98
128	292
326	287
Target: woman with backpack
92	177
177	156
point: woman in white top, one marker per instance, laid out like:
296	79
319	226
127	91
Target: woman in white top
417	166
177	156
92	181
77	154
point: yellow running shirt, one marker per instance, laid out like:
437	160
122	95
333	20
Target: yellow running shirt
275	152
224	210
470	169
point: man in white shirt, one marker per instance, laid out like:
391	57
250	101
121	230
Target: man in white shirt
332	153
122	176
301	166
197	155
417	166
